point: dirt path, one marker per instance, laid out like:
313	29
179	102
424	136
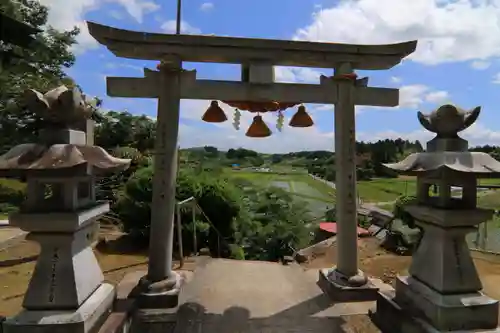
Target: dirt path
379	263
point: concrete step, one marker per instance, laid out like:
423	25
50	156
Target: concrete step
255	296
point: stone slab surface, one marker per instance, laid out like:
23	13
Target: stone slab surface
83	320
248	296
390	318
341	293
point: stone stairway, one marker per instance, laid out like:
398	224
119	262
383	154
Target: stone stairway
230	296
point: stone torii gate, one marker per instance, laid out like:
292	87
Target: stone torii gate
171	83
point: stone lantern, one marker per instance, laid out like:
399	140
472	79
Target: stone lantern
66	292
443	291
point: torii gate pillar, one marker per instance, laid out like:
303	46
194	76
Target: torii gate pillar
160	287
345	282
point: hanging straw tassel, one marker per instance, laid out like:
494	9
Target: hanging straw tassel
258	128
214	114
301	118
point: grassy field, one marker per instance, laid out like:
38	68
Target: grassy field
381	191
319	196
302	185
385	189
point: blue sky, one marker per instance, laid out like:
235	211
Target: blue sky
456	60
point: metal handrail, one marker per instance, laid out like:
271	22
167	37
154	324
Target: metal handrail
194	204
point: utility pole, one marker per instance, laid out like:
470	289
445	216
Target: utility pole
178	21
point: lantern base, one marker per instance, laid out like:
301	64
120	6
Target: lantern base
413	309
82	320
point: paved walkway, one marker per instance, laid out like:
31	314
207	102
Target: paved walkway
229	296
9	235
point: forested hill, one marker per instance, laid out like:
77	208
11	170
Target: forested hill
370	157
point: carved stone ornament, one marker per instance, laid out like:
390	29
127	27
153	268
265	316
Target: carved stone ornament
63	139
447	120
61	107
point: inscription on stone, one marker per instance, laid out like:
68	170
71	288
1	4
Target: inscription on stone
53	280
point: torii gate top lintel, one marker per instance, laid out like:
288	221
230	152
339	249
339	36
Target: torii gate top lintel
199	48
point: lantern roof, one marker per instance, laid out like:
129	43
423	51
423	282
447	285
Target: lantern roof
480	164
33	158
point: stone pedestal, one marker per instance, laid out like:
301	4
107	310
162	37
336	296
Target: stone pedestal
443	290
343	289
148	316
89	315
66	293
158	295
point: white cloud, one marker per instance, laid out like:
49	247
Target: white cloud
186	28
437	97
298	74
395	79
496	78
116	65
412	96
66	14
206	6
480	64
447	31
138	8
116	14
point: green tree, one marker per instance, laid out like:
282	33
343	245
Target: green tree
111	187
271	224
40	68
121	128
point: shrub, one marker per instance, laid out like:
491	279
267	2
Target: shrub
237	252
12	194
400	212
216	196
109	188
